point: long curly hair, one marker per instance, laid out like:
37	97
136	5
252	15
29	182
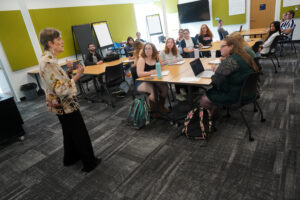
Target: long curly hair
174	48
238	48
208	32
138	46
154	51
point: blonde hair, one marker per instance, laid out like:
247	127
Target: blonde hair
238	49
239	37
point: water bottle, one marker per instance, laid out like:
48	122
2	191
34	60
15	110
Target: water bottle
158	70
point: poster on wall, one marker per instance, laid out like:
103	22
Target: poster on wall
154	24
236	7
287	3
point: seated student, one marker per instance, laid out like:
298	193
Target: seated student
283	19
146	67
229	75
180	36
205	36
93	58
288	25
138	37
222	32
263	48
129	47
170	56
240	39
138	46
188	44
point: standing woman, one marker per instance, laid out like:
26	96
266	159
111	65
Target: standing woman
61	100
146	67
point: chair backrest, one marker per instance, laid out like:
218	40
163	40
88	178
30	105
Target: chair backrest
273	46
133	74
249	89
161	39
220	35
114	73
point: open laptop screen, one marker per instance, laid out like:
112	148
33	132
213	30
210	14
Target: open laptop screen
197	66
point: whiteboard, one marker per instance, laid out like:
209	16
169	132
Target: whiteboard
154	25
102	34
236	7
287	3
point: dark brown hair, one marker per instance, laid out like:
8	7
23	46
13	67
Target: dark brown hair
138	46
174	49
48	35
238	49
154	51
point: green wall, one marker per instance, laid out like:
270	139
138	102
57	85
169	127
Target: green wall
285	9
120	18
15	40
220	8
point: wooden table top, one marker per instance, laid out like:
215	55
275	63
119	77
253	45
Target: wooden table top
177	72
60	64
255	31
217	44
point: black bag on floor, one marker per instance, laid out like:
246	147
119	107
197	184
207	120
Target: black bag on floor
197	124
111	57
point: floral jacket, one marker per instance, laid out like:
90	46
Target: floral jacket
60	87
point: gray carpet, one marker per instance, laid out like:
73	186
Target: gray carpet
151	164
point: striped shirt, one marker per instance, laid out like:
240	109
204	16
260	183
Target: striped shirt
288	24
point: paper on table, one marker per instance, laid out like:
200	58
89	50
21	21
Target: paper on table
216	61
189	79
179	62
163	73
127	61
205	47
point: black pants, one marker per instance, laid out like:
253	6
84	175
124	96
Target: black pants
77	143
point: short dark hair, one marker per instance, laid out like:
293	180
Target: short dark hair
48	35
292	13
91	44
220	20
186	30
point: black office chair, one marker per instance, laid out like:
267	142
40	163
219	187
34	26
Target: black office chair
162	39
114	76
222	35
248	95
285	39
272	52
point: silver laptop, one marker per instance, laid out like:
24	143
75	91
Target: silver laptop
199	71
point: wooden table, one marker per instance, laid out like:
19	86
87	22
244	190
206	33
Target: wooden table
254	32
216	46
36	73
176	73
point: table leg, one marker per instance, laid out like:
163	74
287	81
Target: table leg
40	91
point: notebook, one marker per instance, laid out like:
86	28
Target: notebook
198	69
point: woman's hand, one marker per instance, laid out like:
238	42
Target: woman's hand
214	67
69	65
152	72
165	62
99	62
175	61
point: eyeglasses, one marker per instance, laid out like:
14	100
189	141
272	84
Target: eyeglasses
185	33
223	46
148	49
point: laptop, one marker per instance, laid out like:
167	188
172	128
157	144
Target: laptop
199	71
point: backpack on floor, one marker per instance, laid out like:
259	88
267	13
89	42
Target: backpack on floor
139	115
197	124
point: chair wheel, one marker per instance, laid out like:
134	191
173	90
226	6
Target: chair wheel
21	138
255	110
172	123
262	120
251	139
276	72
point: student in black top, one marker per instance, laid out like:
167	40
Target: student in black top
129	47
93	58
205	36
146	67
138	37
